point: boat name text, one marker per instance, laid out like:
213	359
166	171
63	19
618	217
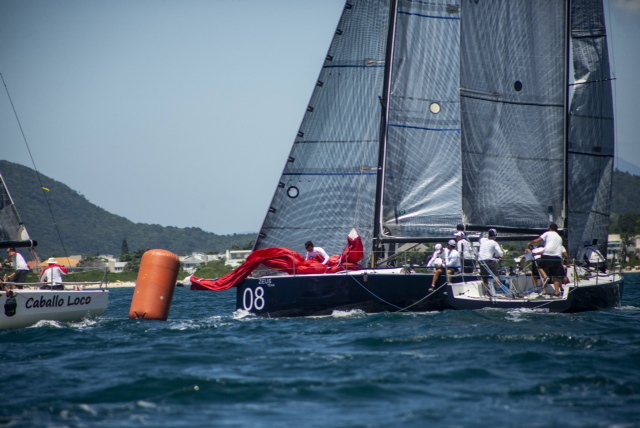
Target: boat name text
56	301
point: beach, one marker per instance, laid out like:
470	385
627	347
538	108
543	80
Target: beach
114	284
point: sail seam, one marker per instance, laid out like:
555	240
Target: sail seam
353	66
391	125
430	16
331	173
334	142
599	155
584	116
511	102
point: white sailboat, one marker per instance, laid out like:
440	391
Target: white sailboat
25	304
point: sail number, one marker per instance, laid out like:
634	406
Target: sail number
253	299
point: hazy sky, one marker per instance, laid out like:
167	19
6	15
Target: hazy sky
182	112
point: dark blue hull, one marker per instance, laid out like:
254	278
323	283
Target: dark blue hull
319	295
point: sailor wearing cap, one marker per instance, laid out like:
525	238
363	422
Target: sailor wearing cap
466	251
20	265
452	262
52	275
437	258
453	258
488	256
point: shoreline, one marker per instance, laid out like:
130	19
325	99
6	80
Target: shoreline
118	284
132	284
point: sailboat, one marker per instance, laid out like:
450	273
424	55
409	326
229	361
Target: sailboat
429	118
25	304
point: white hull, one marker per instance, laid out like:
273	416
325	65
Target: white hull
33	305
584	291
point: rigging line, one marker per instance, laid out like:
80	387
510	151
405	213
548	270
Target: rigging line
42	187
356	205
400	309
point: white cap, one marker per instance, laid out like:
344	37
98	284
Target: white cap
459	234
52	261
451	242
438	247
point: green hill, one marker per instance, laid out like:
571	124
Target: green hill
88	229
625	197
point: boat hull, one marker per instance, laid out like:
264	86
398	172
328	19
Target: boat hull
576	298
318	295
32	305
375	291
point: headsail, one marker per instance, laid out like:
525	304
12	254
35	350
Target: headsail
591	131
328	183
421	195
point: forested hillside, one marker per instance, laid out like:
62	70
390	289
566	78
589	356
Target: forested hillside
625	197
88	229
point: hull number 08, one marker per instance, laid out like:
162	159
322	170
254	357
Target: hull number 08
253	299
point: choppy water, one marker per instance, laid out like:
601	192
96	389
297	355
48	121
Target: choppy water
206	367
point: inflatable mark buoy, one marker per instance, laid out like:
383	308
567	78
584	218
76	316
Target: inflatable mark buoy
155	286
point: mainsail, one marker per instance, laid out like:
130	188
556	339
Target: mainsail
12	230
513	90
13	233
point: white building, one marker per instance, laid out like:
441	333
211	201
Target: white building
614	245
236	257
191	263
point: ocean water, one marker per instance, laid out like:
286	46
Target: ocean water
209	367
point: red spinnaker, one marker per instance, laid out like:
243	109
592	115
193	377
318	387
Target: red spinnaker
288	261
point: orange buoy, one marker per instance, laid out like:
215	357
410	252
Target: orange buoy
155	286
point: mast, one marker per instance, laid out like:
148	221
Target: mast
567	70
382	154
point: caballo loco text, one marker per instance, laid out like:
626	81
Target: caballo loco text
56	301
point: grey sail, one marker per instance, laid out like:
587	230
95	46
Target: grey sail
512	92
328	183
591	131
11	227
433	115
422	184
13	233
430	114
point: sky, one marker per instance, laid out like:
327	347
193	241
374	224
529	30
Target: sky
182	112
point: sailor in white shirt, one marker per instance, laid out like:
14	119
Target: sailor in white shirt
551	260
533	256
20	265
452	262
52	275
316	253
488	256
437	258
466	252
